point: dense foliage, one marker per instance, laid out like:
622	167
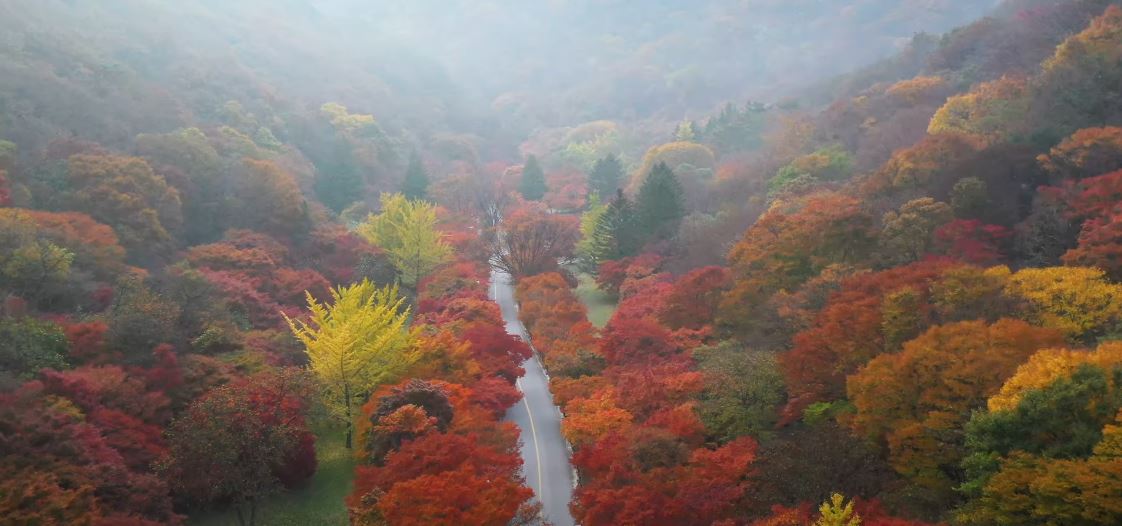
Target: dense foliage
890	300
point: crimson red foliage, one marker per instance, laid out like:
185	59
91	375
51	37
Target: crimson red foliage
703	490
694	299
337	253
250	271
636	340
290	286
1097	201
95	387
846	334
495	394
75	465
611	273
971	241
430	454
458	464
87	343
497	352
1095	196
165	374
280	401
651	387
139	444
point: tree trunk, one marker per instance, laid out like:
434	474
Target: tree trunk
252	512
350	421
417	271
241	518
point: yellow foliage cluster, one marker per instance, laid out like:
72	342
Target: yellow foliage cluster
29	261
959	288
928	160
1048	365
593	417
991	110
126	194
917	398
837	512
355	343
344	120
1076	300
1100	38
911	90
674	154
407	231
591	131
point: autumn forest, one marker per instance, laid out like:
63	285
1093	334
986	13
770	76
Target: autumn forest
596	262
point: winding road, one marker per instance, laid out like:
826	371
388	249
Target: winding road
545	454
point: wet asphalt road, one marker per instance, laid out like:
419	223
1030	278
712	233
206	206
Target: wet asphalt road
545	453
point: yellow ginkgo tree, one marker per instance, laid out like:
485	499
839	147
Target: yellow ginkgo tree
406	230
355	343
837	512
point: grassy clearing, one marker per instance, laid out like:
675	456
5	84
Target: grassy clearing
600	305
319	503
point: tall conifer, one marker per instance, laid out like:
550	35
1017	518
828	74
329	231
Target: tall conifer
416	183
659	206
533	185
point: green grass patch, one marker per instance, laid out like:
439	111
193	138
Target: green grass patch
321	502
600	305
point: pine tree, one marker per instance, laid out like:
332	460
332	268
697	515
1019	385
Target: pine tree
616	233
339	182
416	183
533	186
606	176
659	205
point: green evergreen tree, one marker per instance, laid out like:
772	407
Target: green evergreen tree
616	233
660	206
734	129
339	181
685	132
606	176
532	186
415	186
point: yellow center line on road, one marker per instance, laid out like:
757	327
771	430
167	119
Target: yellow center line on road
529	412
534	434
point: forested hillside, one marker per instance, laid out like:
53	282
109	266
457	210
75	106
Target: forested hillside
786	263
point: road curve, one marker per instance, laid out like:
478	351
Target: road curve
545	454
